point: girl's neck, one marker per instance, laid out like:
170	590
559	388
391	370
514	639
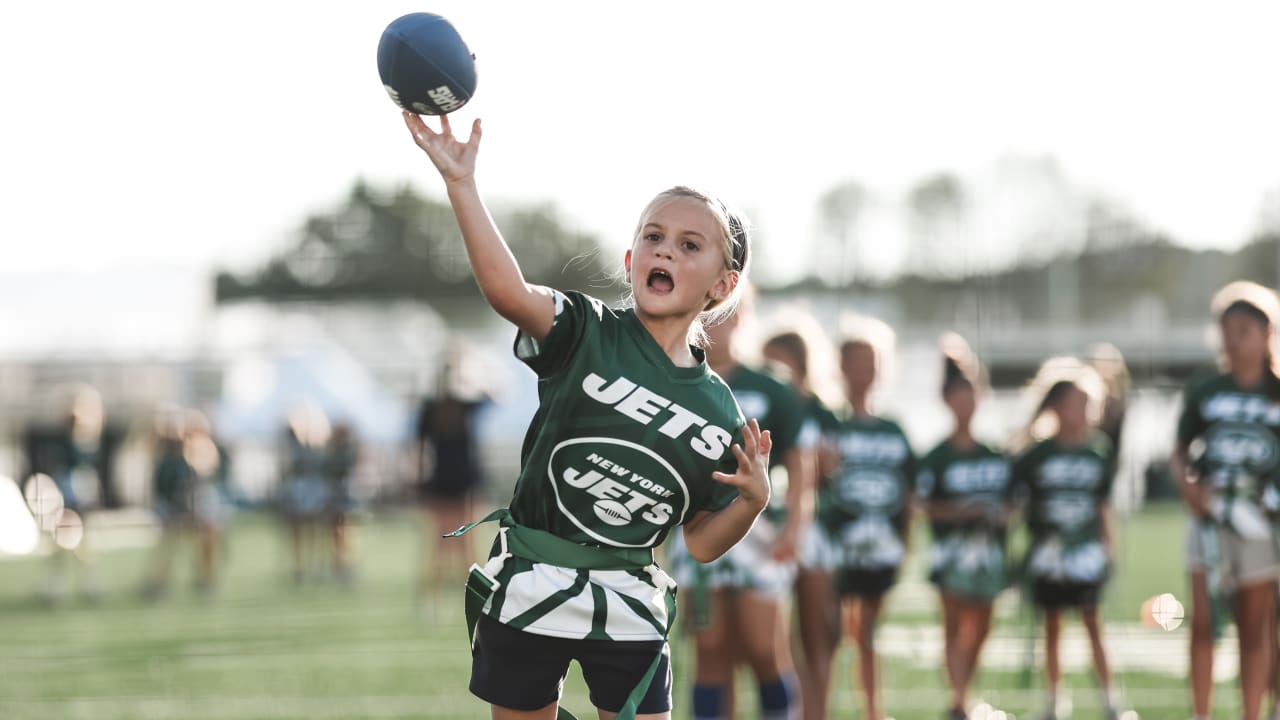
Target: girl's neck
1073	436
860	404
1247	378
962	437
672	335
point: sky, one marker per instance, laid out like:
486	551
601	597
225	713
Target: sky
150	137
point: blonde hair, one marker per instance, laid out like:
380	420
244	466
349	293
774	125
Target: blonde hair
960	365
856	329
879	337
1045	389
734	246
796	331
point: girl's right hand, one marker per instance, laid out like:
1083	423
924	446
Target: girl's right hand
455	160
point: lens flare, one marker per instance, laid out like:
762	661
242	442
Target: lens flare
1162	611
44	500
69	531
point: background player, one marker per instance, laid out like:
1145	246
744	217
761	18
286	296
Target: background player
860	536
1231	551
964	490
1066	477
746	613
805	353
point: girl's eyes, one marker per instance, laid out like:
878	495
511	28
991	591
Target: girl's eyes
689	245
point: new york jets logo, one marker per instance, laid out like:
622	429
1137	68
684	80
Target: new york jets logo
861	490
617	492
1241	445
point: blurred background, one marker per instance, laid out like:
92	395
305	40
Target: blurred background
238	319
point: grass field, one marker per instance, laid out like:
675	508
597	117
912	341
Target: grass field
263	648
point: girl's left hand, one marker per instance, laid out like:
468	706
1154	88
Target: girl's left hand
752	477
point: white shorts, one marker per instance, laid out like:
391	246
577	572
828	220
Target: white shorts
865	544
817	550
1238	561
749	565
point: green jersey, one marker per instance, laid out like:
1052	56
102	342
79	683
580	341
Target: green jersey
748	564
967	556
1233	436
976	476
779	410
1065	489
620	450
864	508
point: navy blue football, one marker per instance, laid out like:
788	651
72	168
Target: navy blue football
425	66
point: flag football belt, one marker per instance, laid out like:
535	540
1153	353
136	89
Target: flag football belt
515	540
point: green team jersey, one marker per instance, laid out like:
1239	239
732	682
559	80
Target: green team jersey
620	450
1065	489
779	410
827	424
1232	435
864	508
977	475
967	556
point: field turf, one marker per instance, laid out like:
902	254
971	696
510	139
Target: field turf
262	647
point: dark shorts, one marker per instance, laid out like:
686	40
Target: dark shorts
1055	594
864	583
522	671
447	489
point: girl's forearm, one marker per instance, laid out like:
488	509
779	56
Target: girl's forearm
496	270
716	532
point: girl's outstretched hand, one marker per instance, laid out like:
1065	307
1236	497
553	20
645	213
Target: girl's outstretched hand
752	477
455	160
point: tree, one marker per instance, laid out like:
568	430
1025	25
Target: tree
840	210
938	221
400	245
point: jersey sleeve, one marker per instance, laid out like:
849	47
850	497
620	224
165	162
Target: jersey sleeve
1110	465
576	316
926	477
1191	424
910	464
792	426
1021	469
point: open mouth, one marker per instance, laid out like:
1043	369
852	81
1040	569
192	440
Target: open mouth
660	281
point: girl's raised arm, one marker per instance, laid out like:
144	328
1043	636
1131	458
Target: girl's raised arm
529	307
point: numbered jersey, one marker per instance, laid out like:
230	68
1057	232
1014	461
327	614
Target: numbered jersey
620	451
863	509
1066	488
1233	436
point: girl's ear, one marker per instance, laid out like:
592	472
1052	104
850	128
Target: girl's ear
724	286
626	263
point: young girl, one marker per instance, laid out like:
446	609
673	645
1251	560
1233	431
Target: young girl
1066	480
634	435
801	351
860	537
745	616
963	486
1227	446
